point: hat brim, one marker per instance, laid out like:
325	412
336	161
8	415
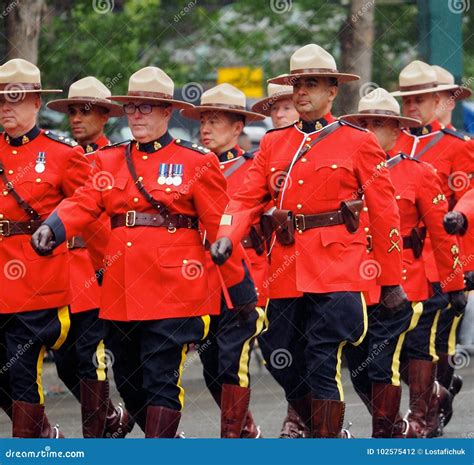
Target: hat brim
177	104
459	92
289	79
62	105
195	113
404	121
264	105
30	91
401	93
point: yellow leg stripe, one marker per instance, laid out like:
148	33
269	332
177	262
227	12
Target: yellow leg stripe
206	319
180	371
100	357
338	370
366	321
417	311
434	328
266	323
243	373
65	322
452	335
39	374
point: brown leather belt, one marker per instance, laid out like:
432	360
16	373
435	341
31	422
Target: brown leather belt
172	222
319	220
247	242
76	242
407	242
13	228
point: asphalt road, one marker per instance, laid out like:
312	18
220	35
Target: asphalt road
201	416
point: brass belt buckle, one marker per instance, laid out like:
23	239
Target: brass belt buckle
4	228
300	223
130	218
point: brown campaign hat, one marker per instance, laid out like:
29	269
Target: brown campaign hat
276	92
446	83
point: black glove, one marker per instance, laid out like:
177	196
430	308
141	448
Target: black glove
469	278
454	223
458	301
43	240
393	299
221	250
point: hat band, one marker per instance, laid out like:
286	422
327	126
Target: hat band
380	112
313	71
144	93
19	86
224	106
92	99
428	85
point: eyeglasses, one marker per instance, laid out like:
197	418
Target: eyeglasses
143	108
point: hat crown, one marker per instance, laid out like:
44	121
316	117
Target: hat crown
17	71
417	73
224	94
275	89
312	56
379	100
151	79
88	87
443	76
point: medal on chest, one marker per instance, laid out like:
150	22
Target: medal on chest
178	174
163	173
40	165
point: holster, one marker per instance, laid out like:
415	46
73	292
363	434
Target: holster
350	210
256	236
417	236
284	226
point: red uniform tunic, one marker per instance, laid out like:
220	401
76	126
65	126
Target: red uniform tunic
234	165
85	261
453	159
421	201
154	273
28	281
323	259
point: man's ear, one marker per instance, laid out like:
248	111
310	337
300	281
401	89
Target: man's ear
332	92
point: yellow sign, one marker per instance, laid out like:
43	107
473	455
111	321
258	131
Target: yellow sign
248	80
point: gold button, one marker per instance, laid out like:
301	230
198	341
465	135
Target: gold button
300	182
366	229
5	192
397	197
185	261
222	167
14	152
299	206
300	232
109	188
404	278
194	145
365	209
1	216
135	199
38	179
333	167
10	171
272	170
129	244
168	189
178	141
304	160
308	139
140	178
404	271
145	157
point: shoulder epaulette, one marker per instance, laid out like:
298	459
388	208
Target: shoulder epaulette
191	145
457	134
352	125
116	144
279	129
62	139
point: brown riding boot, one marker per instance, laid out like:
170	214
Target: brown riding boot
161	422
385	406
422	376
327	417
250	429
444	370
293	427
50	432
94	405
118	422
302	407
402	428
439	412
234	407
27	419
